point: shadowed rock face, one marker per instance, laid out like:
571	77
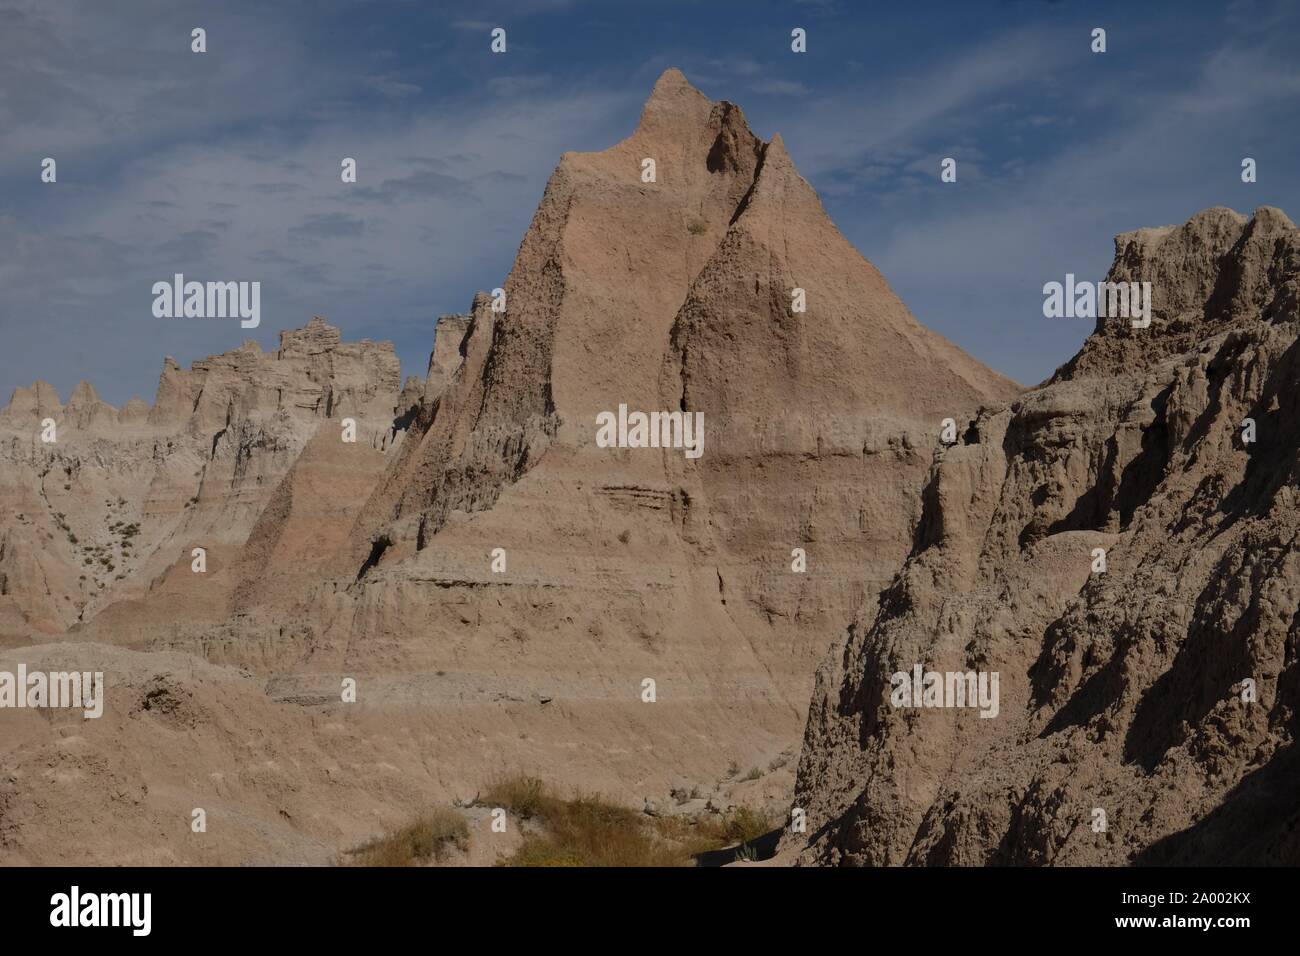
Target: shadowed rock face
1120	691
374	560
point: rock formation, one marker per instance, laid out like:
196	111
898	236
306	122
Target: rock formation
499	586
672	295
102	514
1147	710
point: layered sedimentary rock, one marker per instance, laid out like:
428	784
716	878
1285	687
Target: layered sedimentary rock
1148	690
506	594
619	566
112	506
674	295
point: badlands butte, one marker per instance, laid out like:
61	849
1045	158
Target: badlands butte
373	561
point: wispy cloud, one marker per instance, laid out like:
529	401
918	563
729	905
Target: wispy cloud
445	189
884	116
971	261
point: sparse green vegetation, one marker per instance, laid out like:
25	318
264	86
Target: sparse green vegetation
584	831
428	840
588	830
697	227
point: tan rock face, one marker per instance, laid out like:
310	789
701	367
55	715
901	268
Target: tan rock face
1122	691
676	295
101	515
500	586
445	359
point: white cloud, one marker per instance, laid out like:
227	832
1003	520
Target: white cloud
442	199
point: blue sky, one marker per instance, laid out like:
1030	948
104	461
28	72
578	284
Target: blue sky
225	165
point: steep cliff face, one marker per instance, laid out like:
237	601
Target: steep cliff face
1148	711
823	420
674	294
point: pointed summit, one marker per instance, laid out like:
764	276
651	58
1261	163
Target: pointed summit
37	401
83	395
674	110
86	409
778	180
672	84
